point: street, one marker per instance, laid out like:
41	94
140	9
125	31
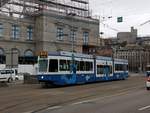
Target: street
126	102
125	96
51	51
119	103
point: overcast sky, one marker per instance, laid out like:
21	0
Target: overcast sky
134	13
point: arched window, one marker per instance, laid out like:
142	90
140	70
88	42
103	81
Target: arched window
1	51
28	53
2	56
28	58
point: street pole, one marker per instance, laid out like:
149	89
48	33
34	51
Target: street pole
141	61
113	65
11	51
72	38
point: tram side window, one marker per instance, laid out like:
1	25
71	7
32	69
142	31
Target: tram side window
89	66
77	65
110	69
119	67
85	66
100	69
68	65
125	67
53	65
64	65
82	66
43	65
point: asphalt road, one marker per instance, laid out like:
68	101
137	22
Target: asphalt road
133	101
126	96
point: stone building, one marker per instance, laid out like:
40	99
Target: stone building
129	37
138	56
137	50
143	40
23	37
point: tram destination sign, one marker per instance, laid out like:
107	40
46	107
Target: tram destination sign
43	54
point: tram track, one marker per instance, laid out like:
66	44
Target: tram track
36	101
87	98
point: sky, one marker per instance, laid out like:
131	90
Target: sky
135	13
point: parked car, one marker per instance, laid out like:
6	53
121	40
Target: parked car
8	75
148	83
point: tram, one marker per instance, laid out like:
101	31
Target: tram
67	68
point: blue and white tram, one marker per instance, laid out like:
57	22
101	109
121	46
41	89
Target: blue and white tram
63	69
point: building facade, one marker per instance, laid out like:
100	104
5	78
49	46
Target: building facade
143	40
129	37
24	38
138	57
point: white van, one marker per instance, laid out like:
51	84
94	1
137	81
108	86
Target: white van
8	75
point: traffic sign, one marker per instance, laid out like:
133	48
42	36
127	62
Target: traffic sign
119	19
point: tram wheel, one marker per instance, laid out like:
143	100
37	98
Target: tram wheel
46	85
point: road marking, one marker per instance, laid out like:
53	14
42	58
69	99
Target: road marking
82	102
122	92
143	108
28	112
50	108
54	107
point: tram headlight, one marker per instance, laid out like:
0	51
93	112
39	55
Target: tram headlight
42	77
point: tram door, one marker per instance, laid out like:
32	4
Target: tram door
106	71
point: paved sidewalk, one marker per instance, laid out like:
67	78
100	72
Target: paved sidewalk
136	74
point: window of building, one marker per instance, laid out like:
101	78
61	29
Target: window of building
85	38
29	33
1	52
1	30
15	31
60	33
53	65
28	53
2	57
73	35
28	58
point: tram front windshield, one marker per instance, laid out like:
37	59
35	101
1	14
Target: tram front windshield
43	65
